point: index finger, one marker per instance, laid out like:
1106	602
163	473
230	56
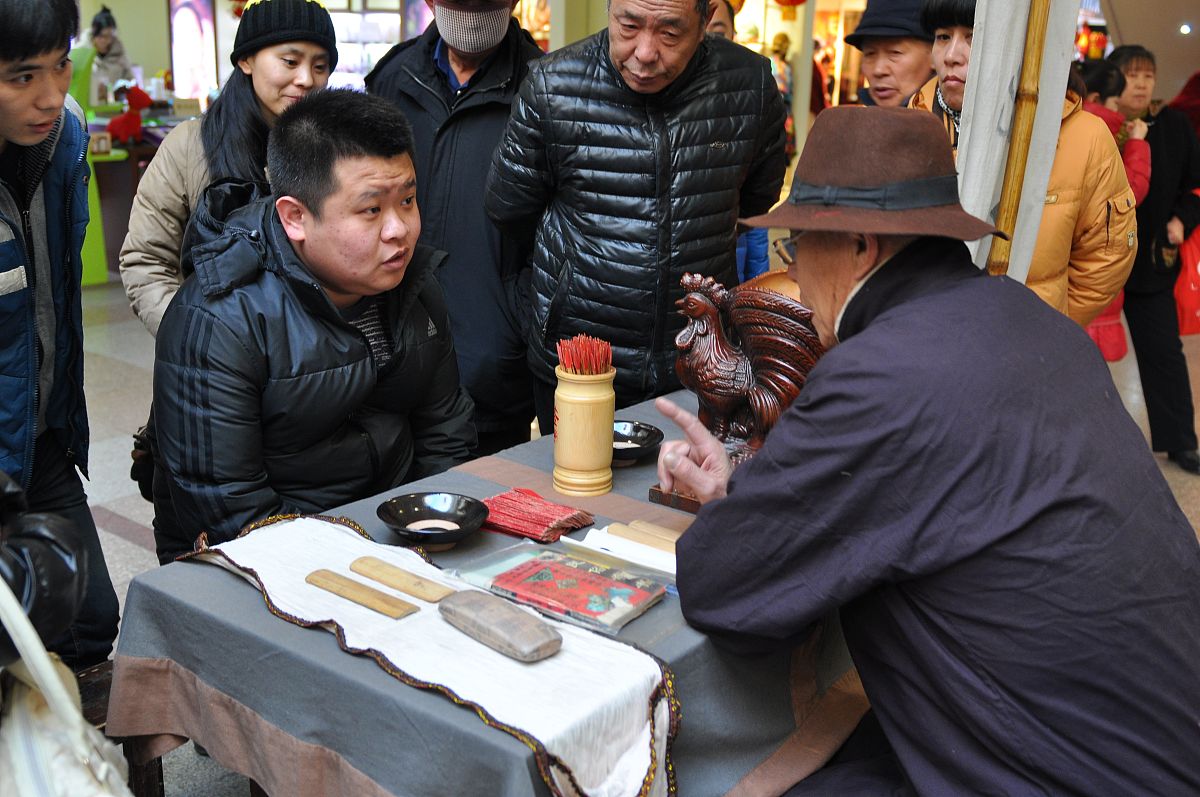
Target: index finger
688	423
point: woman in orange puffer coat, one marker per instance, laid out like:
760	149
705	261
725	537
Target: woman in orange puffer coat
1088	236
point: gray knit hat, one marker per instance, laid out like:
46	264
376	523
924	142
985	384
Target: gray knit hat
269	22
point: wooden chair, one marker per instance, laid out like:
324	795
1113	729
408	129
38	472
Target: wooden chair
145	780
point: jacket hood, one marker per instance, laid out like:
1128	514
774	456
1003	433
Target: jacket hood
1113	119
1072	104
218	205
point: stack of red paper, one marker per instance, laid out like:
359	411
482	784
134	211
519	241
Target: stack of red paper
526	514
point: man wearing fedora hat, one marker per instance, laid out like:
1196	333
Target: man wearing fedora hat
895	49
959	479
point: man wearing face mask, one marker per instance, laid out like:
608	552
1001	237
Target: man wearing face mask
632	153
456	83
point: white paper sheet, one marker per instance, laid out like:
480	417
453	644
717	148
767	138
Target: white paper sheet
599	539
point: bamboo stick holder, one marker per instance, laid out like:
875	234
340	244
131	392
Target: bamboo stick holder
584	409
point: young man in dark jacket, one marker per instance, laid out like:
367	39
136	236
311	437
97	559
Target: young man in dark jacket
456	85
43	215
632	153
308	362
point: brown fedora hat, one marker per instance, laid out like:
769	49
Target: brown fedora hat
887	171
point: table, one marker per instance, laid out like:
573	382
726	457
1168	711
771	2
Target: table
201	657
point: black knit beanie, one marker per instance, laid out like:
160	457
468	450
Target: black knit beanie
268	22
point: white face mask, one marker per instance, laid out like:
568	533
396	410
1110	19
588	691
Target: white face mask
471	31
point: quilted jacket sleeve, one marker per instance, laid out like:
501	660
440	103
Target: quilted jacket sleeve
207	394
1136	157
443	430
1104	244
166	196
760	191
520	183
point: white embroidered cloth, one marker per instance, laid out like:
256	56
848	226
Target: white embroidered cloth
588	705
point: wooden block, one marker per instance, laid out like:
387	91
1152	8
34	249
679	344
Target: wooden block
400	579
661	532
639	536
500	625
684	503
361	594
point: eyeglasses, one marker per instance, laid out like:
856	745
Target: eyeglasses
786	247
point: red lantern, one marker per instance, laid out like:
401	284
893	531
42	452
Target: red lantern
790	3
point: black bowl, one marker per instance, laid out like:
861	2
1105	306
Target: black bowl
633	440
433	518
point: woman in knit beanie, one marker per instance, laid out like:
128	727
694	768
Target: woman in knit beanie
283	50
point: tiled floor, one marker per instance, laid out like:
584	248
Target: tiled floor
118	377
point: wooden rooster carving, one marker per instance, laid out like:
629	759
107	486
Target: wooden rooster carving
745	353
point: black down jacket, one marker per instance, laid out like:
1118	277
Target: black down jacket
630	191
453	139
268	402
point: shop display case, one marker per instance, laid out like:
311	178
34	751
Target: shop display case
363	39
367	29
534	16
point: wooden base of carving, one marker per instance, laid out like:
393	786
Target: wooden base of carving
680	501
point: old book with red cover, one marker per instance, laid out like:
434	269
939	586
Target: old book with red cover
593	595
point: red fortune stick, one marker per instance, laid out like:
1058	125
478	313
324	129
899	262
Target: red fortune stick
584	354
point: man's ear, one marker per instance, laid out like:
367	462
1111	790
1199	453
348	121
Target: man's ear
866	254
292	214
708	15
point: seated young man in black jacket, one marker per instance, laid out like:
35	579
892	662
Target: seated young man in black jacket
308	361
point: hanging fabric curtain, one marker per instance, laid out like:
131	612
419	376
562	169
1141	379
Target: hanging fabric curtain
997	54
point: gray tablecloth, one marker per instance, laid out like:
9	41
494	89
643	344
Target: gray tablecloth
200	656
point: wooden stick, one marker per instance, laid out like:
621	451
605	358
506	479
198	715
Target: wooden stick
642	537
360	593
1022	130
658	531
400	579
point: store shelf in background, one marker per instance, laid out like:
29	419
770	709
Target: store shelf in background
367	29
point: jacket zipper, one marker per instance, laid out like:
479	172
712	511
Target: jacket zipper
428	88
69	304
31	281
1108	224
662	180
458	95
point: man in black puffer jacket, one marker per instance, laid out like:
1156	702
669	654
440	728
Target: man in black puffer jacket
456	87
308	361
633	153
